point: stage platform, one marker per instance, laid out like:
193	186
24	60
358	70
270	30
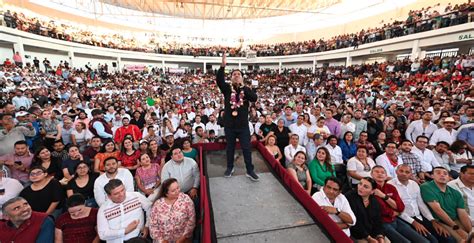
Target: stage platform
264	211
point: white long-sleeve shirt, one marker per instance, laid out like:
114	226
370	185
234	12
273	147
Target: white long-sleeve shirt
427	158
290	152
384	161
336	154
12	189
468	195
113	218
186	172
340	203
122	174
301	130
21	101
416	129
411	197
443	135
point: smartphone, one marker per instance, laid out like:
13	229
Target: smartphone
18	162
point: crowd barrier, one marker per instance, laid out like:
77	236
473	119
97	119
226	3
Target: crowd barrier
208	234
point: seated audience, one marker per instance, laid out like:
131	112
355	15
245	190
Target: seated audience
368	225
321	168
109	149
293	148
112	171
44	194
43	158
115	224
173	216
270	145
22	224
79	223
299	171
147	177
19	161
333	202
9	188
359	166
183	169
83	183
446	204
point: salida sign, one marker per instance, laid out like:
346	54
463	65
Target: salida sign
467	36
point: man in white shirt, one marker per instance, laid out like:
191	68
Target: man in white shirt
292	149
427	158
9	188
198	123
447	133
21	101
465	185
424	127
416	212
389	160
333	202
334	150
443	155
212	125
300	129
121	217
111	172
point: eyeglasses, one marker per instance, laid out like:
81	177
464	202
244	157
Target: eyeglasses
38	173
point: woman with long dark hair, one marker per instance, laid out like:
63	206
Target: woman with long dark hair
52	165
321	167
129	155
109	149
348	146
83	183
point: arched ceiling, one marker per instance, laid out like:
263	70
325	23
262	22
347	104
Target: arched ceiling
224	9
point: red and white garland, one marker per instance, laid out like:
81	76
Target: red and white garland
233	99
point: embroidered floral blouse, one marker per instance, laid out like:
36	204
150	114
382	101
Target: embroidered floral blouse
171	222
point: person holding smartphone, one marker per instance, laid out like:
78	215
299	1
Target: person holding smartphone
19	161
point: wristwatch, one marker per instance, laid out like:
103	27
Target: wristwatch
337	211
386	197
455	227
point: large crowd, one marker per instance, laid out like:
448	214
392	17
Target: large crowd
425	19
385	148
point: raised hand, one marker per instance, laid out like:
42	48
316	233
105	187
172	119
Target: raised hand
224	59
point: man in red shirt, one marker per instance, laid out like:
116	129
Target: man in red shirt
127	129
391	205
24	225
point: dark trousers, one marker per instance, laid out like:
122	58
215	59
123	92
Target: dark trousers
243	134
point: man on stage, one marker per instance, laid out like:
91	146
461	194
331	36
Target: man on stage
236	124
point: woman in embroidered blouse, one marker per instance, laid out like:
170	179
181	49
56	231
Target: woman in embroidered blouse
299	171
320	167
147	176
172	216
